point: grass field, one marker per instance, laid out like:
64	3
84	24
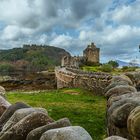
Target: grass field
80	106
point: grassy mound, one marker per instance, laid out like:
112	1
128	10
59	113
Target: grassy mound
80	106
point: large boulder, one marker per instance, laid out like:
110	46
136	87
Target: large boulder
115	138
114	84
10	111
134	76
4	104
121	78
20	114
37	133
21	129
117	104
133	123
117	81
120	90
119	108
67	133
117	115
113	99
120	115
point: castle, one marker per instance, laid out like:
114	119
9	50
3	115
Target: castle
90	56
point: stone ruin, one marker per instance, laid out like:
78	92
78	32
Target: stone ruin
20	121
91	55
75	78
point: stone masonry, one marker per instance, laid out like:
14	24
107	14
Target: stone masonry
93	81
90	56
123	98
123	107
22	122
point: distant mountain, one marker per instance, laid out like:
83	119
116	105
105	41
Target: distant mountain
123	63
31	57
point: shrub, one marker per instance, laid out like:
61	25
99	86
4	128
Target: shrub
106	68
114	64
127	68
6	68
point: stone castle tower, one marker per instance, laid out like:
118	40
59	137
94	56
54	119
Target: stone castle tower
91	54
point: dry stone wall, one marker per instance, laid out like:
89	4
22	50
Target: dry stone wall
123	107
20	121
94	81
123	98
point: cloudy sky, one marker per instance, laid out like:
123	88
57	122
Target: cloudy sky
113	25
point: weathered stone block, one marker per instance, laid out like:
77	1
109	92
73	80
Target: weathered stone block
37	133
114	84
21	129
122	78
20	114
113	99
10	111
67	133
120	115
4	104
133	123
120	90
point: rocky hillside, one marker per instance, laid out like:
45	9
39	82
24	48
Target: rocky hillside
30	58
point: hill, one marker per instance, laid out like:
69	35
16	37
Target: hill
30	58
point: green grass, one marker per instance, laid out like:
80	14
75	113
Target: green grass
98	69
91	68
82	108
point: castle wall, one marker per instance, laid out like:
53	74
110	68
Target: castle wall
96	82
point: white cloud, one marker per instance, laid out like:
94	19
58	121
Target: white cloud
11	32
116	31
127	14
62	40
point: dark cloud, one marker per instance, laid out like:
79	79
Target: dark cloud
107	24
